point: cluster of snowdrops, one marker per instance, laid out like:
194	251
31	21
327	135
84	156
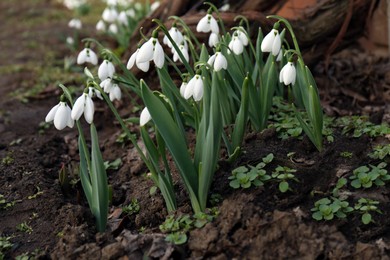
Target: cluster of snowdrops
226	91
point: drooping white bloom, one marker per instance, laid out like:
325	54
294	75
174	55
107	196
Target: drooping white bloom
224	8
183	88
142	66
207	24
75	23
218	61
213	40
154	6
271	42
130	13
145	117
107	85
115	92
83	104
113	28
194	88
87	55
106	70
69	40
101	26
73	4
176	35
122	18
184	51
110	15
236	45
60	114
151	50
242	35
92	92
288	74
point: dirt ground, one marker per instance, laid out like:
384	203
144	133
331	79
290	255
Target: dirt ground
45	220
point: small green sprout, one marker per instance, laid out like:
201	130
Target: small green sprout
346	154
283	174
359	125
380	152
365	206
24	227
5	245
340	184
114	165
327	209
255	175
34	196
132	208
366	177
8	159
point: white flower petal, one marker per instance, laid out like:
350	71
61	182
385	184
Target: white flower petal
115	93
189	90
213	39
276	45
89	109
78	108
158	55
183	88
144	66
81	58
211	60
145	117
203	25
145	52
61	117
213	25
267	43
52	113
220	62
131	61
70	121
238	48
198	89
101	26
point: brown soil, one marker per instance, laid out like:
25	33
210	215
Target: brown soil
254	223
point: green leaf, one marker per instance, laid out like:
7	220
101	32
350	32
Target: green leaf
174	140
85	161
283	186
317	215
366	218
242	116
235	184
99	183
268	158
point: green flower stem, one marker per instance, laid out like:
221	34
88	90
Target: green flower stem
288	25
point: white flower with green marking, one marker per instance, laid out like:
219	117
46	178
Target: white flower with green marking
106	70
87	55
218	61
61	115
272	42
151	50
83	105
288	74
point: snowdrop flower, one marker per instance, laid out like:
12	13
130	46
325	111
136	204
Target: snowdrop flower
92	92
106	70
242	35
113	28
145	117
176	35
271	42
184	51
224	8
154	6
151	50
69	40
83	104
130	13
236	45
73	4
106	85
183	88
144	66
110	15
87	55
101	26
194	88
111	88
122	18
213	40
207	24
115	92
60	114
288	74
218	61
75	23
